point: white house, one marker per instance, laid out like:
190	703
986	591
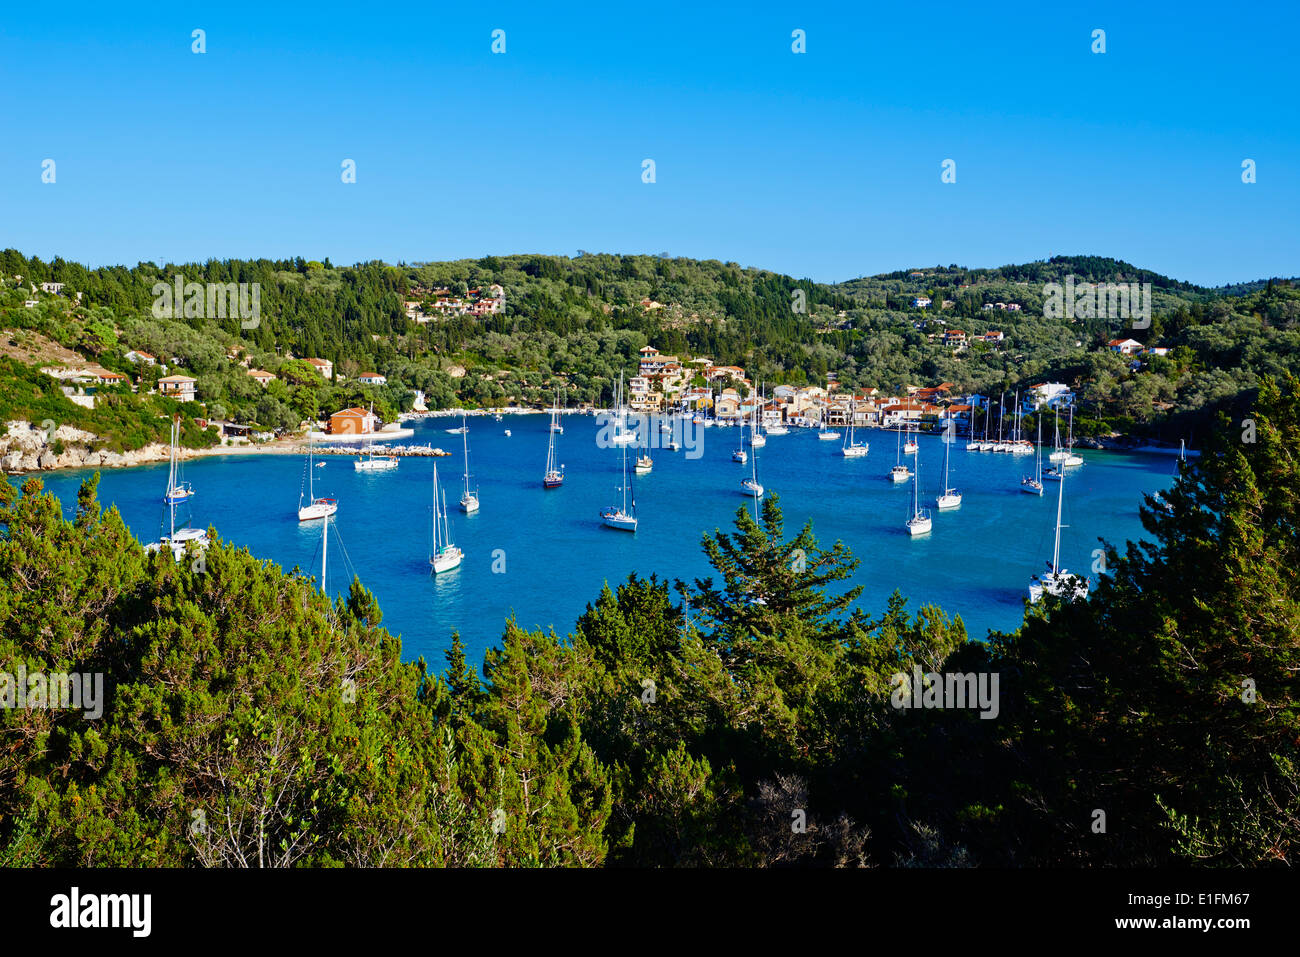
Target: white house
372	378
178	386
920	302
136	356
1125	347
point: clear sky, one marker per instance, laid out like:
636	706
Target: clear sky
824	164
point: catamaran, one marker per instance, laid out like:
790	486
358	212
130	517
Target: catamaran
620	517
316	508
951	498
852	449
468	499
554	476
443	554
1034	484
177	491
1057	581
920	522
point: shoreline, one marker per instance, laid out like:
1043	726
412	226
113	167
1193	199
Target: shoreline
299	446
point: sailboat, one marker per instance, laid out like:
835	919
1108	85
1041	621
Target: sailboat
555	422
644	464
973	445
620	517
951	498
1034	484
910	446
177	491
621	434
1070	458
900	472
985	444
1001	445
316	507
749	487
443	555
373	463
920	521
823	433
1057	581
1058	453
177	539
1021	445
468	499
554	476
852	449
756	438
740	455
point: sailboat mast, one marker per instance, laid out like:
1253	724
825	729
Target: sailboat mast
1056	549
324	551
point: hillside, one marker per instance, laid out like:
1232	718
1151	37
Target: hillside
578	323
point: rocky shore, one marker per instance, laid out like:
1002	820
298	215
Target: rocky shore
28	448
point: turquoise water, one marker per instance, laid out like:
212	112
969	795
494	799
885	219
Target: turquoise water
556	552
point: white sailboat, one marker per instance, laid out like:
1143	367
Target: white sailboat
756	438
985	444
621	434
555	422
951	498
620	517
1058	453
900	472
1034	484
911	446
177	491
443	554
973	444
316	508
920	522
374	463
468	498
177	539
644	464
1057	581
852	449
1070	458
749	487
825	434
554	475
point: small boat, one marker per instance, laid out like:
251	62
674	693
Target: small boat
443	554
672	445
643	464
177	540
828	435
555	412
373	463
900	472
460	431
468	499
1058	581
1070	458
749	487
757	440
1033	484
740	455
776	430
316	508
620	517
320	465
852	449
507	433
951	498
1055	473
910	447
554	475
666	427
177	491
920	522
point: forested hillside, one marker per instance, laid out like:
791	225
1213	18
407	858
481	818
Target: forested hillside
578	322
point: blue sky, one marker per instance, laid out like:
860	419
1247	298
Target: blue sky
822	165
